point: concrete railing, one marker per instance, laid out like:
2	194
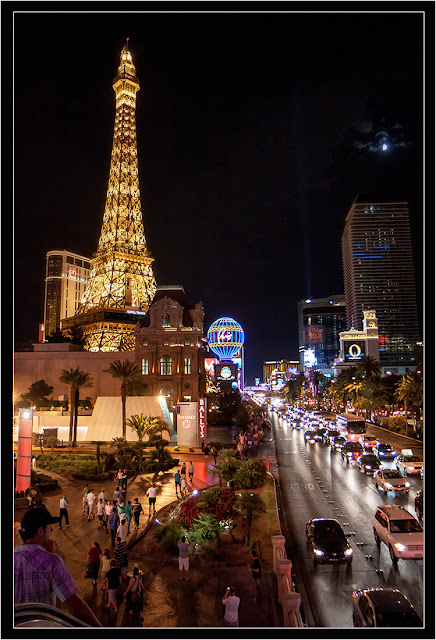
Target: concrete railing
288	597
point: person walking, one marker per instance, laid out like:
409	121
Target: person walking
183	545
102	496
177	479
151	493
120	554
137	510
183	469
114	521
134	593
116	495
105	566
90	500
231	602
113	583
107	511
191	472
215	454
183	486
63	512
256	573
123	480
85	493
31	584
128	515
206	454
122	530
121	507
93	561
100	514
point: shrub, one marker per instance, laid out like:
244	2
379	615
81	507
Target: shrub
188	512
169	535
203	528
250	473
218	501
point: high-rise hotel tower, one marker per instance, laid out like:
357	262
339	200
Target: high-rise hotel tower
121	285
378	274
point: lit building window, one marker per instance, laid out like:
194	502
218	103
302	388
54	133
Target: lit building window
166	366
166	320
144	366
145	342
187	342
187	369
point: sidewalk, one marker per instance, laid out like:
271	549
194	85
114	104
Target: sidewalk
167	601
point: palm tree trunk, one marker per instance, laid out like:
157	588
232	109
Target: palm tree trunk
70	435
76	413
405	410
123	406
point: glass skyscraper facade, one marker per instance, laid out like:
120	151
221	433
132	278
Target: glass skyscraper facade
378	274
319	323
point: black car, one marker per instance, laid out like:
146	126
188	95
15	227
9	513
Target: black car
330	433
384	451
351	451
383	607
319	433
328	542
368	463
419	509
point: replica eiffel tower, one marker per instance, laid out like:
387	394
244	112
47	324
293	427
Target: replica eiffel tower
121	284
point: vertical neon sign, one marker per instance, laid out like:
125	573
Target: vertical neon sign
202	417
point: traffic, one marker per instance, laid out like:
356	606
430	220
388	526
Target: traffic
377	511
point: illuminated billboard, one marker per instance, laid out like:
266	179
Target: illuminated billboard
354	350
310	359
226	372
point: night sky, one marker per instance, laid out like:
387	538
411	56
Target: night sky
255	133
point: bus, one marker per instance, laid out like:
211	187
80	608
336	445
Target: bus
350	426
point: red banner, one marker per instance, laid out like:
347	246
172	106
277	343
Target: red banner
24	449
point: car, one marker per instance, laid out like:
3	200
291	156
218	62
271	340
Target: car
351	451
337	442
368	442
408	464
384	451
319	433
297	423
309	436
368	463
399	531
383	607
390	480
328	541
330	433
419	509
421	473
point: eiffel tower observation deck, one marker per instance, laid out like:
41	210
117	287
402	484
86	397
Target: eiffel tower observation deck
121	284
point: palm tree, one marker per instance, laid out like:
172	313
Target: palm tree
376	393
40	441
251	504
354	388
125	371
410	392
368	367
77	379
143	425
98	444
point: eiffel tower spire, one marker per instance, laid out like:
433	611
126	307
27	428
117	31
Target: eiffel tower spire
121	276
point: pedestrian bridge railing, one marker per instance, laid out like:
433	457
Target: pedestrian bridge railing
289	599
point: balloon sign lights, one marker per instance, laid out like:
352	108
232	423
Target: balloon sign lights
225	337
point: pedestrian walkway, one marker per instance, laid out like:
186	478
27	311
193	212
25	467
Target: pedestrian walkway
167	601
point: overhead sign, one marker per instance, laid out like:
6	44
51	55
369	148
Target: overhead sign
202	418
226	372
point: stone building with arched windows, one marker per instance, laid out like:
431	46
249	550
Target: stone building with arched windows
169	347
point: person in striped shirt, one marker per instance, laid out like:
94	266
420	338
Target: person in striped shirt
41	576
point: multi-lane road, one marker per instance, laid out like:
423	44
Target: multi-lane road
315	482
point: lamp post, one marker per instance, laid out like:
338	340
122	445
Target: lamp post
24	449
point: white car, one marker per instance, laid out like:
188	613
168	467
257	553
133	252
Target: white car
399	531
368	442
408	464
390	480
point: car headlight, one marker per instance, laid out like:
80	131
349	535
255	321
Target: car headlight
349	454
410	468
407	484
399	546
318	552
388	485
367	466
349	552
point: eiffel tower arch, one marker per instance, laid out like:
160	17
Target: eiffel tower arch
121	285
